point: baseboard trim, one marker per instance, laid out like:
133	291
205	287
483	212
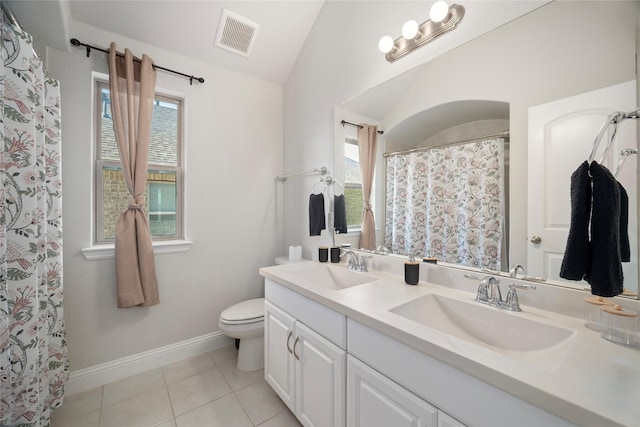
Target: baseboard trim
98	375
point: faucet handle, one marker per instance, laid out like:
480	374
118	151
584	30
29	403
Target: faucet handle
483	293
511	303
363	262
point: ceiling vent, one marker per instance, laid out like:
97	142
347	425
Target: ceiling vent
236	33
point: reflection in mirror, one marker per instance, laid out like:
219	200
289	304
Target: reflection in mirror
443	100
446	199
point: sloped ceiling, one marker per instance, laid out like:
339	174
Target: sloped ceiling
189	26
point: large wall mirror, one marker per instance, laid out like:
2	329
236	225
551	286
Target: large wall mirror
506	92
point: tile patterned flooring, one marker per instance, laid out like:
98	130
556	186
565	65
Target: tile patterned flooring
204	391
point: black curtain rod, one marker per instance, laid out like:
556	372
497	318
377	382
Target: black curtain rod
191	78
358	126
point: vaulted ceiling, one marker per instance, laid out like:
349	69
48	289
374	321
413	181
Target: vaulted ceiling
189	26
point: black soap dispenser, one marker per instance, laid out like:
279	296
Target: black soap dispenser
411	271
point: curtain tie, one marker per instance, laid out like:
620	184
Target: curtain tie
137	203
366	206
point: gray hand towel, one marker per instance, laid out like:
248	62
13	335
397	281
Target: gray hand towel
577	260
625	248
605	275
340	214
316	214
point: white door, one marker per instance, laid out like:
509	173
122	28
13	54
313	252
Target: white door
279	338
561	136
373	400
320	385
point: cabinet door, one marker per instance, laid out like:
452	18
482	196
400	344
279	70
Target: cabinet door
373	400
320	384
278	353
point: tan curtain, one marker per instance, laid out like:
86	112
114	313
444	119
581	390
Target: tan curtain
367	139
132	86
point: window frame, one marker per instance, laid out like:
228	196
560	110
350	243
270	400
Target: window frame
100	164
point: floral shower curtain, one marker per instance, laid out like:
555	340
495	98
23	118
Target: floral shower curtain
33	351
448	203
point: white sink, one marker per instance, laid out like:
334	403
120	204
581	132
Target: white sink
332	277
488	326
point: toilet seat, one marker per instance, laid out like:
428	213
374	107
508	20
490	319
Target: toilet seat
244	313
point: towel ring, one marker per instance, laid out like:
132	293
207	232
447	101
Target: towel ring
625	152
326	182
335	181
613	119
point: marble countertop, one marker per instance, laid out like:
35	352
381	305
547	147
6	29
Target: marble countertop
586	380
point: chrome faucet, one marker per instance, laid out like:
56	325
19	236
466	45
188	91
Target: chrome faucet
351	265
489	293
356	263
383	250
513	272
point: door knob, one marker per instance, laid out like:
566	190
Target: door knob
536	240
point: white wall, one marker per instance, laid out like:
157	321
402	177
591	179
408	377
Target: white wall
597	51
233	150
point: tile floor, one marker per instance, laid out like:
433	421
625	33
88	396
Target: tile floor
204	391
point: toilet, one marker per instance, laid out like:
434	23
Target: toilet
244	321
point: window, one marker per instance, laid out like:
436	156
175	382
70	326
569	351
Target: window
352	184
164	172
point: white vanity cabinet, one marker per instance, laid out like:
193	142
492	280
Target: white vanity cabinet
422	378
306	369
374	400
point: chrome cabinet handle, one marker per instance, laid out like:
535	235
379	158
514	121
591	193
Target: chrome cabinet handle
536	240
294	348
289	339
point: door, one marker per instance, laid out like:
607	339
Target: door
561	136
320	384
279	339
373	400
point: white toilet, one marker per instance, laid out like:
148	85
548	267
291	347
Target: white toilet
244	321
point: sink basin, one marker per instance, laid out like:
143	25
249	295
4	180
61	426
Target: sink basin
488	326
332	277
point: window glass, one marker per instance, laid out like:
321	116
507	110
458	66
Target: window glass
163	191
352	184
163	139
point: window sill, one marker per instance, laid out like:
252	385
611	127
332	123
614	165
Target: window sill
163	247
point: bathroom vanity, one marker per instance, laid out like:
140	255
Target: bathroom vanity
365	349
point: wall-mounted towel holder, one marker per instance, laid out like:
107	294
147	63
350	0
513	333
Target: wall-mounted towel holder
625	152
322	171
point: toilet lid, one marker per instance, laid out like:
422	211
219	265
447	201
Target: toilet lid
252	309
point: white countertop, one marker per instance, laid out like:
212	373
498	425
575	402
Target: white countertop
588	380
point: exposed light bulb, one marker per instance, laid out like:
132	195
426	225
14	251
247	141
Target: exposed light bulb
439	11
410	30
386	44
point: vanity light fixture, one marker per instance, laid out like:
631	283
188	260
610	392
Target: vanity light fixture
443	18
